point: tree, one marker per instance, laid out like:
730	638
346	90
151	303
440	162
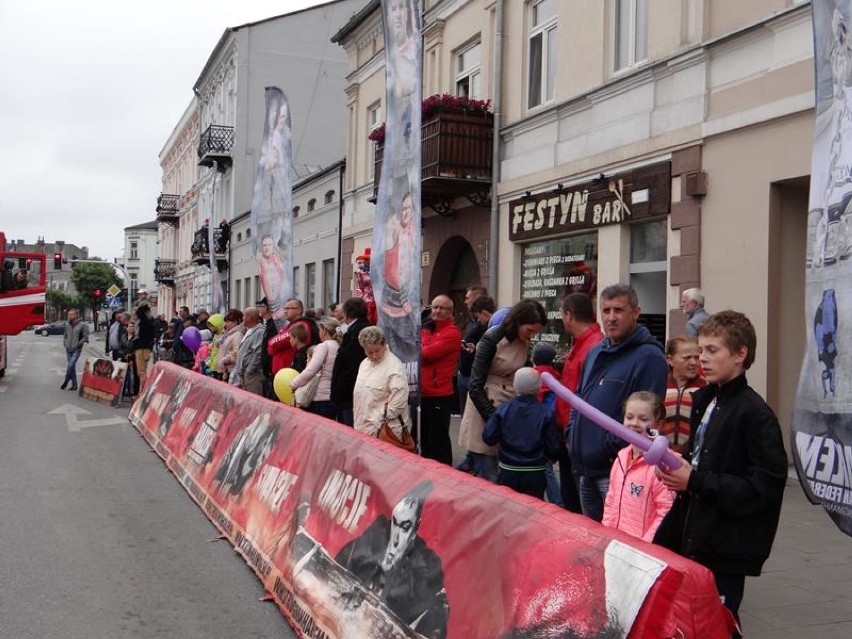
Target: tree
60	302
92	281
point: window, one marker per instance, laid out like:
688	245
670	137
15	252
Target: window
468	74
296	210
542	52
258	293
247	292
328	289
239	237
248	234
134	250
631	33
310	284
312	204
238	289
374	120
295	281
648	273
329	197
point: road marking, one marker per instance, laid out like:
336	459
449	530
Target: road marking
72	412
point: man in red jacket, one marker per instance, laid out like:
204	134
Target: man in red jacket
439	356
279	348
578	317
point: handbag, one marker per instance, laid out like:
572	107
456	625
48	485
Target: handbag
386	434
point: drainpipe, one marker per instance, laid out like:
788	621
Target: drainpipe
496	101
339	230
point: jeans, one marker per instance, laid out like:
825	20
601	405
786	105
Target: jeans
485	466
592	494
568	483
462	385
323	408
71	371
553	492
346	416
731	588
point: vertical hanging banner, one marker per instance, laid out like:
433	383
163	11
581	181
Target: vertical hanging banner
822	419
395	267
271	204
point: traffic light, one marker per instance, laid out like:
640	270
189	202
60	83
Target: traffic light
97	293
57	261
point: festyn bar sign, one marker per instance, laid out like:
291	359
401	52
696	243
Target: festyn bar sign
632	195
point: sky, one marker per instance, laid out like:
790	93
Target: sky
90	90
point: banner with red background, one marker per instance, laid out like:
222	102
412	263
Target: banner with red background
356	538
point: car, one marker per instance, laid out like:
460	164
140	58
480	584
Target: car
56	328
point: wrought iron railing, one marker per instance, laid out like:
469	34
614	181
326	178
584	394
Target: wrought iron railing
216	140
165	271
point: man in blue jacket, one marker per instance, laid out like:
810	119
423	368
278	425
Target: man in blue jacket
628	359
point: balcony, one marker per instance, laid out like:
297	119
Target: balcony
200	248
167	209
165	271
455	160
214	147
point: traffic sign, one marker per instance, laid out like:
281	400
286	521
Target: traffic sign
113	290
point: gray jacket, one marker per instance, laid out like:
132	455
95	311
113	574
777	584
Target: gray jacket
75	336
249	360
699	315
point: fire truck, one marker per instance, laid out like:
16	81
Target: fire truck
22	293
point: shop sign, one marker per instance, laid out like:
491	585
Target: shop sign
622	197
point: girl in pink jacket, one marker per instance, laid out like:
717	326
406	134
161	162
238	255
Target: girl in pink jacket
637	501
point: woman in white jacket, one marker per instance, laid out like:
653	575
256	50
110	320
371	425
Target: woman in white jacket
381	389
318	371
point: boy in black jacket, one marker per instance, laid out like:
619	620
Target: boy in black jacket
731	484
526	432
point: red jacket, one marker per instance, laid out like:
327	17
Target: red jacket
439	357
573	366
281	350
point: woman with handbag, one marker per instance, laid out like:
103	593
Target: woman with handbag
319	369
381	388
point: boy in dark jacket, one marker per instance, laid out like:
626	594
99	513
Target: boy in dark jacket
731	483
526	432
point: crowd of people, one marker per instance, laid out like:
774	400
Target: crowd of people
720	506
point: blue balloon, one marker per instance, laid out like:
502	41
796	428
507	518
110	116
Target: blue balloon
499	316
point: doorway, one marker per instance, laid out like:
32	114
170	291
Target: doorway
456	269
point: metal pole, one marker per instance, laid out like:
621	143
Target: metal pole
497	102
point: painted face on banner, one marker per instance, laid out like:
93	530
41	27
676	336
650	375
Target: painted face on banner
405	212
267	247
399	19
403	531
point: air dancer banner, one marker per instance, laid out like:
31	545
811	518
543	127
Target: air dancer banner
822	419
272	204
353	537
395	267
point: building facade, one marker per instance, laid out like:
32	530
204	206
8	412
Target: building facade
140	258
284	52
663	144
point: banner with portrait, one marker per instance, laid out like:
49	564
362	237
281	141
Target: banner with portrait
354	537
822	419
103	380
272	204
396	243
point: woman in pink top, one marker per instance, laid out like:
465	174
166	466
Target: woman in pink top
321	364
637	501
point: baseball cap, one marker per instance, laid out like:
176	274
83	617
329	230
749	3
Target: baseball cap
543	354
527	381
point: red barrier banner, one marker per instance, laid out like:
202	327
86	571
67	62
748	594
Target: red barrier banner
103	380
356	538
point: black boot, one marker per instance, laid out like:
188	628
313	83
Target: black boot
64	384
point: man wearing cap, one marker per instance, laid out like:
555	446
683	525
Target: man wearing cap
271	326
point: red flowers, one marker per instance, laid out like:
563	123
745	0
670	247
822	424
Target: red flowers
440	103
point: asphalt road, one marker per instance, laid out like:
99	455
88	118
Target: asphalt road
97	539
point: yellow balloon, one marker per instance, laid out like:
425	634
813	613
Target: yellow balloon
281	385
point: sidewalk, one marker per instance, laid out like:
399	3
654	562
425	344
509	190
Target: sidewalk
806	586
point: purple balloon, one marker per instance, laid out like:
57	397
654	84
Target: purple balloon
191	337
498	317
656	451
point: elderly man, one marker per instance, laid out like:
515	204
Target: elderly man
628	359
279	348
439	356
248	370
692	305
76	336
